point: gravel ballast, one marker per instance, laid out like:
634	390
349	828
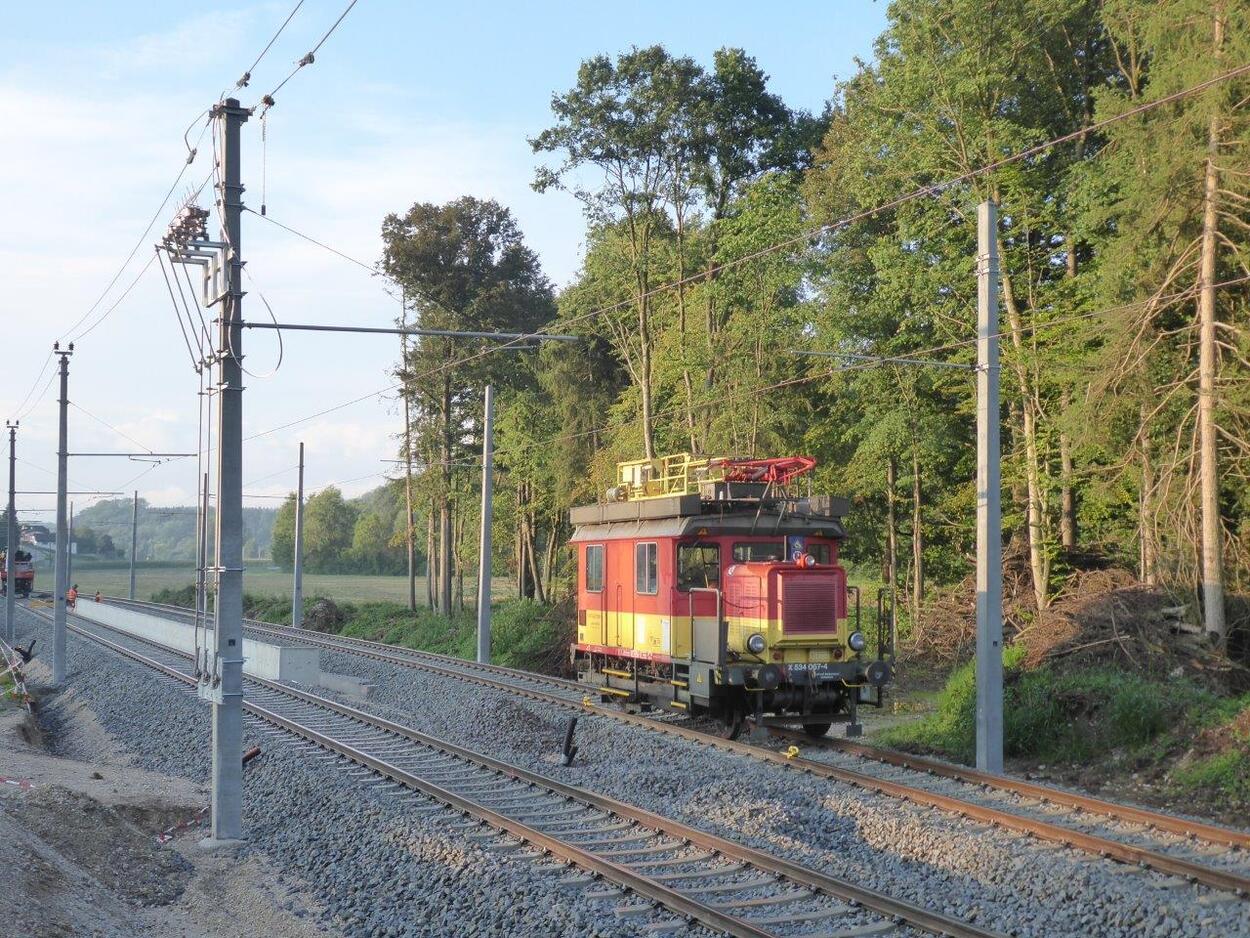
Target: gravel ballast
929	857
382	861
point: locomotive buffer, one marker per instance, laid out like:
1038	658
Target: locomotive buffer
710	586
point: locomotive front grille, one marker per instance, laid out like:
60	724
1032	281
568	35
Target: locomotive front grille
808	605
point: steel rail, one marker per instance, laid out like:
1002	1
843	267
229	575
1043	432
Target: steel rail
1044	793
855	895
621	875
1042	830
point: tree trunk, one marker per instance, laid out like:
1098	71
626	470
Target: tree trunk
519	547
444	512
891	522
1212	528
1067	497
444	564
687	383
535	573
431	562
1149	574
549	559
917	539
1039	566
648	438
458	527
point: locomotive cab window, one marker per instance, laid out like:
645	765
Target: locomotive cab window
646	573
594	568
819	552
698	566
759	553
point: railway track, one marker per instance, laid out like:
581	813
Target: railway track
1165	843
695	876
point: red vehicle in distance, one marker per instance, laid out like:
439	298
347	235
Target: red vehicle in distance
23	573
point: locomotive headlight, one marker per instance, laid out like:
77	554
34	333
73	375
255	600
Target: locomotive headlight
857	641
756	643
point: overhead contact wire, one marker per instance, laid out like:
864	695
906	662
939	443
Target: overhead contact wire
247	75
177	312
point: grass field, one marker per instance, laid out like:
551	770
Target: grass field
259	581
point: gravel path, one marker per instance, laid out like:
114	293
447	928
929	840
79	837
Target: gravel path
382	861
926	856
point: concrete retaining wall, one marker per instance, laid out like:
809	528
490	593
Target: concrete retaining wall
260	659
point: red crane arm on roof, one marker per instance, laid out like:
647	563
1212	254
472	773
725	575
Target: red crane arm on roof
779	471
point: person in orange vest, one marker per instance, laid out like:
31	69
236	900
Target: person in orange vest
71	598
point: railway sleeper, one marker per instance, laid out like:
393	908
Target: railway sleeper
784	898
638	851
611	841
757	883
562	830
702	857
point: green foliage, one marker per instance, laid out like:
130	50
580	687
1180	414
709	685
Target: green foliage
462	266
1227	773
701	275
397	625
165	535
525	634
1054	716
176	596
329	523
531	636
283	550
1220	762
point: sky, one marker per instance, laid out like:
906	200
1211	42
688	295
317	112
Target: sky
406	102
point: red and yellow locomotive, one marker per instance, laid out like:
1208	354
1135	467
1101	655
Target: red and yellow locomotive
710	587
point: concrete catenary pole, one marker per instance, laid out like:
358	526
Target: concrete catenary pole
201	534
11	539
297	588
134	540
989	491
227	785
61	566
484	541
409	534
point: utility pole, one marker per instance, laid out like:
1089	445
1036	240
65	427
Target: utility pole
297	590
225	685
11	539
409	534
61	567
484	542
134	541
989	493
201	555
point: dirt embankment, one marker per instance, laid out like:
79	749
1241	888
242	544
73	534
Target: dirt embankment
78	844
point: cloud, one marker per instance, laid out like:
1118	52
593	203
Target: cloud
196	44
100	141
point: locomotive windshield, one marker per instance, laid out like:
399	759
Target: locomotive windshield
698	566
772	551
766	552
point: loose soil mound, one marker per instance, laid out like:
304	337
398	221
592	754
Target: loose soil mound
1101	616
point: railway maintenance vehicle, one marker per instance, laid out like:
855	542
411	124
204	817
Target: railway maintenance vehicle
23	573
710	586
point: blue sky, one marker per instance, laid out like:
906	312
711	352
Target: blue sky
406	102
